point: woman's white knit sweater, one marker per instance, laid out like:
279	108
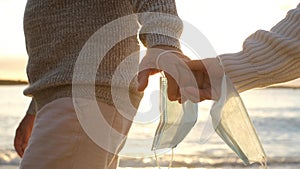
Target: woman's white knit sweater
268	57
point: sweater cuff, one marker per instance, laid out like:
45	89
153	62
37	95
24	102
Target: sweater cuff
241	72
156	39
31	109
161	29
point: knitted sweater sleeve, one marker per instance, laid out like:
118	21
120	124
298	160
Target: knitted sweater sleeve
160	24
268	57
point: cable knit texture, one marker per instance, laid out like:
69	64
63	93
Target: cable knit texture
268	57
56	30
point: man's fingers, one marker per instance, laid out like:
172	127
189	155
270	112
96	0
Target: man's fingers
23	134
23	147
21	142
173	89
19	149
18	143
143	79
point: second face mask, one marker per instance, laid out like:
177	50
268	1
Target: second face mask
232	123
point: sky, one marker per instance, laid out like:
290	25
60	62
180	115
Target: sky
225	23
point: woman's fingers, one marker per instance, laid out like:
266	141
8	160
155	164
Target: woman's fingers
196	65
195	95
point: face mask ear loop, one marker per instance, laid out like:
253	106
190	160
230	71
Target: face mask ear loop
221	64
157	62
156	159
263	163
171	161
172	158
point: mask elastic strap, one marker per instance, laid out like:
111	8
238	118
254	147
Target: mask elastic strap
157	60
157	160
263	163
172	156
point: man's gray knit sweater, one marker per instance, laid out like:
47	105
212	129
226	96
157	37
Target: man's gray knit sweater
57	30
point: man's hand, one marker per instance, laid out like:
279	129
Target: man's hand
167	59
208	74
23	133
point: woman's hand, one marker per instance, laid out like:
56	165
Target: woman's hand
208	74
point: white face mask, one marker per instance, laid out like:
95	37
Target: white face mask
176	120
232	123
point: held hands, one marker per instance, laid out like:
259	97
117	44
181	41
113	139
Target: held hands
169	60
196	80
173	63
23	133
208	74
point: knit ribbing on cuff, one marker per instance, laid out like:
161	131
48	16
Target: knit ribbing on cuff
155	39
160	29
243	75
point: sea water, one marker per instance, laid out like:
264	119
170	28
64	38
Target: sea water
274	112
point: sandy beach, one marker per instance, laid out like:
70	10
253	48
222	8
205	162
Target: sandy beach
190	162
